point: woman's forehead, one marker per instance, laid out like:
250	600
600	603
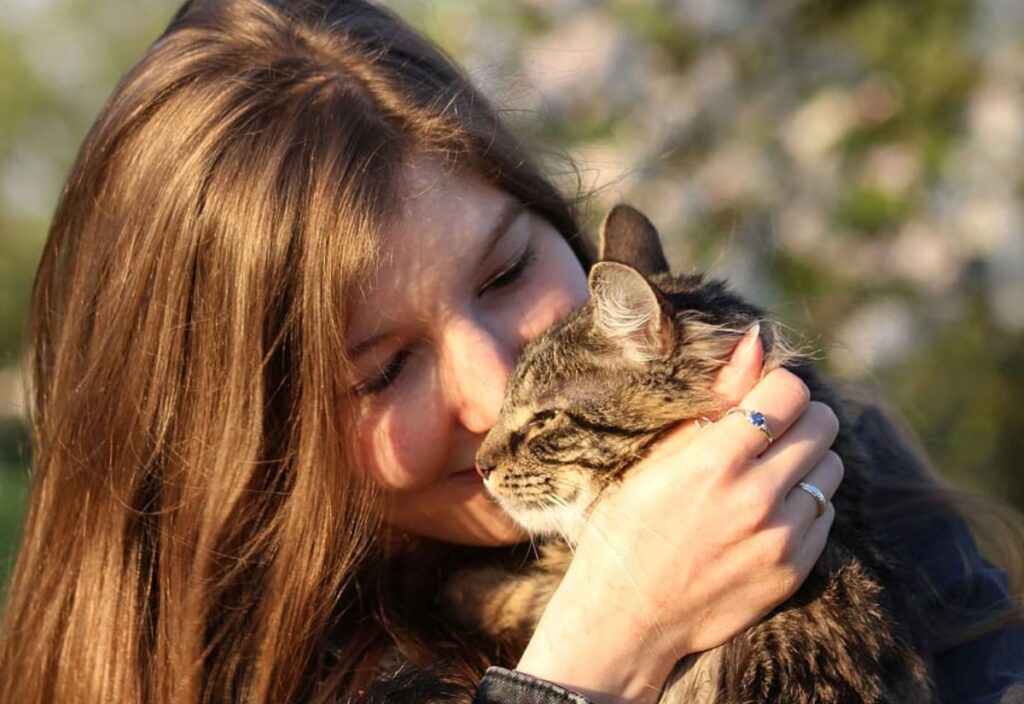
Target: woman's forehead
431	189
449	221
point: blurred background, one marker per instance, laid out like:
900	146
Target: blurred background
854	166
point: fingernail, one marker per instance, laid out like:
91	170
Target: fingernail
751	336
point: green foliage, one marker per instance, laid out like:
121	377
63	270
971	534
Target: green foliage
870	210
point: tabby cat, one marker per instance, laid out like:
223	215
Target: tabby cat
587	399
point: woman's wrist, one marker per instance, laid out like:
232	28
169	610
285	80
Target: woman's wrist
603	676
608	658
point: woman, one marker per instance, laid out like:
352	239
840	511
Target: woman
291	269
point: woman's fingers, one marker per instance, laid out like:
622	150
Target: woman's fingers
743	370
781	397
800	504
797	452
746	540
814	540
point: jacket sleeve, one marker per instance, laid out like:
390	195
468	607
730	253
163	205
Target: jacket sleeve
967	590
501	686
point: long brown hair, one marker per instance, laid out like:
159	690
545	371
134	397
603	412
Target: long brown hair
195	521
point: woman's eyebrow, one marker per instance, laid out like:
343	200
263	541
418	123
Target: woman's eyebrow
506	216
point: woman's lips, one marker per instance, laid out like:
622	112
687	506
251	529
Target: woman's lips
466	475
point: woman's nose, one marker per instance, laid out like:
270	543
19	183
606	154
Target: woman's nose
478	362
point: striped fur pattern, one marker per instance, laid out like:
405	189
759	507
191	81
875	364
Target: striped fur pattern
585	402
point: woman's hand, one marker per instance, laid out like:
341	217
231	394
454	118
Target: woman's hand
704	538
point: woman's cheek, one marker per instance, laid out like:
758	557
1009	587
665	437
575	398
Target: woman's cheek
395	448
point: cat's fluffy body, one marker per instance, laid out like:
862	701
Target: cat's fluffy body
582	406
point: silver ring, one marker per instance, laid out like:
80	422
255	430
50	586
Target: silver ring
756	419
818	494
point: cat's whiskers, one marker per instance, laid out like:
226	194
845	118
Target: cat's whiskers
534	548
582	517
558	502
578	515
583	513
648	613
634	521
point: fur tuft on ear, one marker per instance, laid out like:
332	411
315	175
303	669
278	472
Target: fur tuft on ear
628	237
630	311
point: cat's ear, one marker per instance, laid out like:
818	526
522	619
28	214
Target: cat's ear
631	312
630	238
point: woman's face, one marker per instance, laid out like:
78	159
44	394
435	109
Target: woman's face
468	278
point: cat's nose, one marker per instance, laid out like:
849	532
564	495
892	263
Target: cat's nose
484	468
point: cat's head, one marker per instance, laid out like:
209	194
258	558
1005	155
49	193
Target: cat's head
593	392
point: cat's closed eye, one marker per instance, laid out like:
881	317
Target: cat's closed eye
531	427
541	417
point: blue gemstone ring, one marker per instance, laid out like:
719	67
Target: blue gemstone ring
756	419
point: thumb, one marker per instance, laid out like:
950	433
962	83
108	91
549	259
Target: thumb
743	370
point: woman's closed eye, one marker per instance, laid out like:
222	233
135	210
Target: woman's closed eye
388	373
512	273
